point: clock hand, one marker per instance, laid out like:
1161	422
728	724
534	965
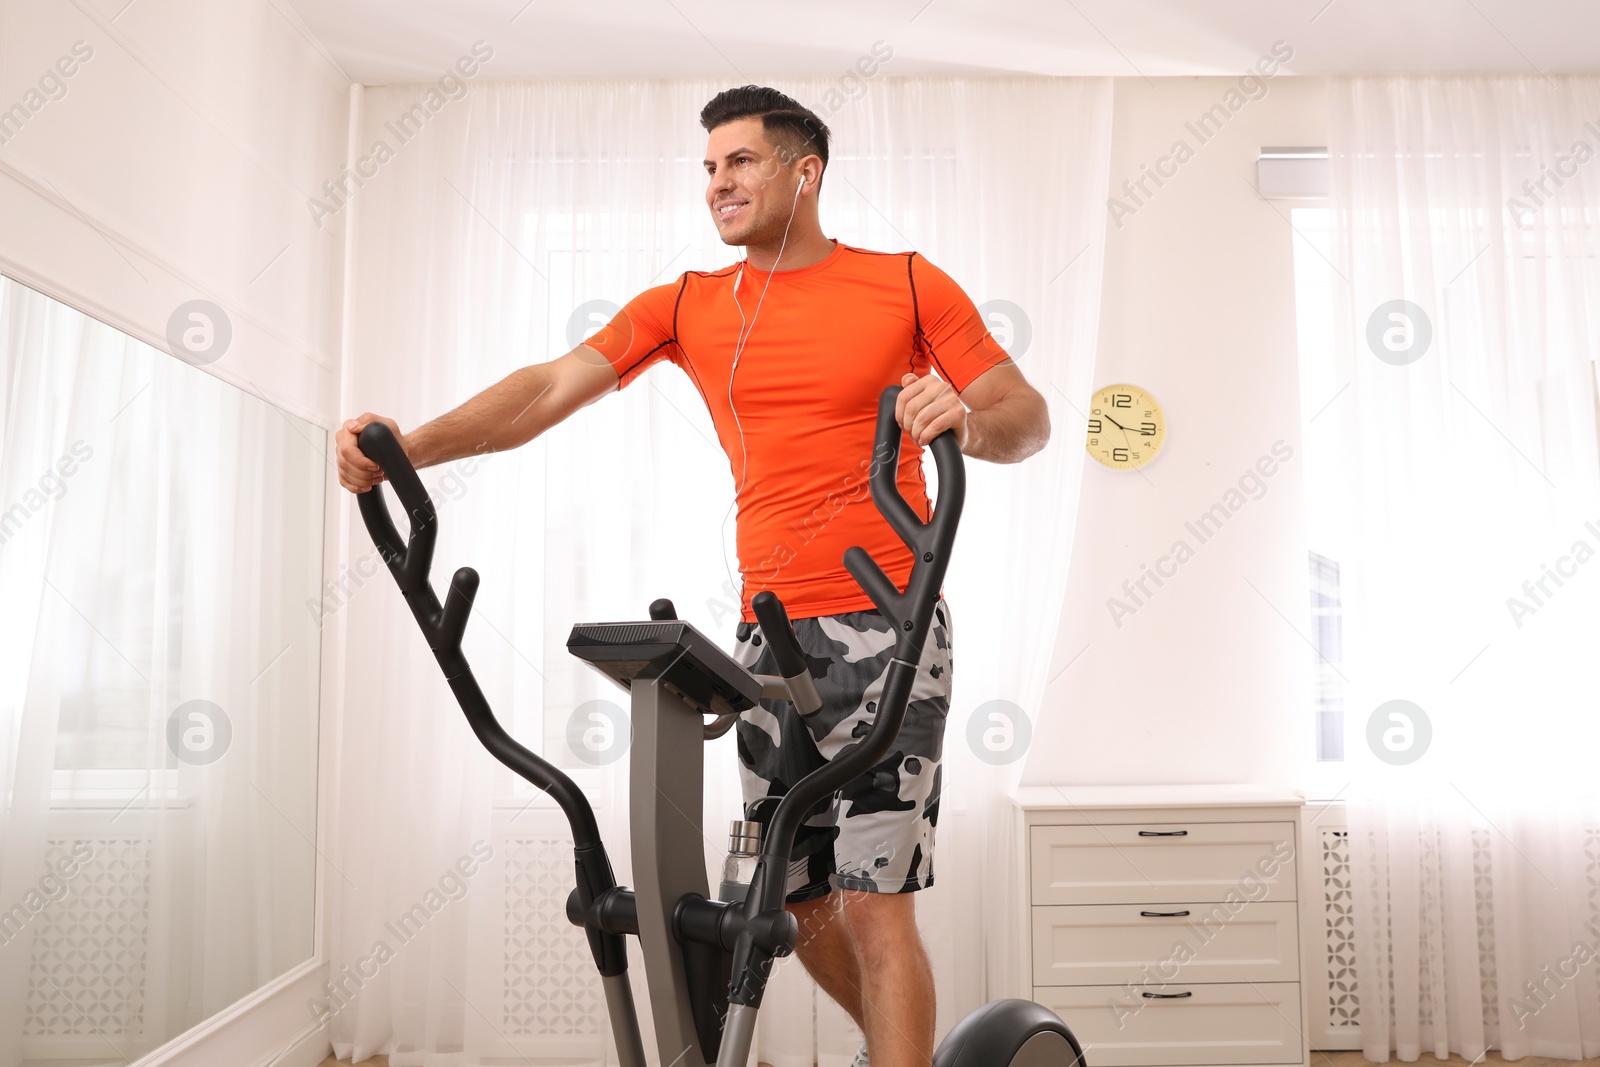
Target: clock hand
1121	427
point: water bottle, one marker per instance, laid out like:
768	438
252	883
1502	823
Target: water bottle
744	845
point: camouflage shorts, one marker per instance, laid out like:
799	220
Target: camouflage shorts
876	834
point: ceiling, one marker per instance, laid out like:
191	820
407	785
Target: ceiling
386	41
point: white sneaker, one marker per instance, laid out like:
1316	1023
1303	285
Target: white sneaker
861	1057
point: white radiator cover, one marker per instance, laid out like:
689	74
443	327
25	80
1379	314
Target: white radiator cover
105	960
552	992
1335	1003
1336	1014
86	977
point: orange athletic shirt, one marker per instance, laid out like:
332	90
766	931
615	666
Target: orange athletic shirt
829	338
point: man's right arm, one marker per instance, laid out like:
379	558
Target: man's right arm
509	413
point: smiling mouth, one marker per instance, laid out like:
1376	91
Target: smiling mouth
728	209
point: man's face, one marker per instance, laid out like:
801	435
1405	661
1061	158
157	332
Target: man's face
749	189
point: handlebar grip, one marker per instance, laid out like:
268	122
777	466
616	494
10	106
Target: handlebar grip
377	442
930	542
779	632
792	665
886	469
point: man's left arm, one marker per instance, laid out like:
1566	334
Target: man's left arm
998	417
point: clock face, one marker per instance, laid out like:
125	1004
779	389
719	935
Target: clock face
1126	427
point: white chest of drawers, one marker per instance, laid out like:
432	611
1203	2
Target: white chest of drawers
1166	922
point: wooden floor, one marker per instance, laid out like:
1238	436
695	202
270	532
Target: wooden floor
1318	1059
1351	1058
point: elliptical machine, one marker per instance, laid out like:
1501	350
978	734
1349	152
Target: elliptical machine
707	961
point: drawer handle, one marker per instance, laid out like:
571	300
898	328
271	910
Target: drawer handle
1169	996
1163	833
1163	914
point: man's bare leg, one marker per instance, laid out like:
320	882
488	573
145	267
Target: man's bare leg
895	979
871	961
828	951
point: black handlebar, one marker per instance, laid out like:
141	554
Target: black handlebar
911	613
409	562
414	556
779	632
443	627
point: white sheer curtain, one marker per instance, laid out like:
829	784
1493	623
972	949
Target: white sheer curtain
1469	477
160	536
479	248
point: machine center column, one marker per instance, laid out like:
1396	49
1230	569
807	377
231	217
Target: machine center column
666	764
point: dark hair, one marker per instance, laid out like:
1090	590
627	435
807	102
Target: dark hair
793	129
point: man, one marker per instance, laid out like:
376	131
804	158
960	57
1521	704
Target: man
790	349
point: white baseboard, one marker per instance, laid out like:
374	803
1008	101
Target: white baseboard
309	1051
271	1028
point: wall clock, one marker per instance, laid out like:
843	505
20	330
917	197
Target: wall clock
1126	427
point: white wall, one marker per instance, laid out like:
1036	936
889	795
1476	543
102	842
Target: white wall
1208	679
175	163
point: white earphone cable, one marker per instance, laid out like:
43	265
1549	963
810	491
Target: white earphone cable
745	330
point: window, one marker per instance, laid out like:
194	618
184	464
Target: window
1326	640
1319	387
